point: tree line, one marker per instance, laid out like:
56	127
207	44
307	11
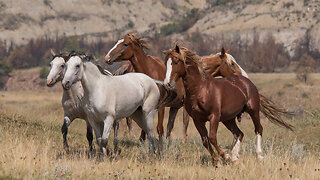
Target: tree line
266	56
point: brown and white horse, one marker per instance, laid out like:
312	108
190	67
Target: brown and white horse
217	100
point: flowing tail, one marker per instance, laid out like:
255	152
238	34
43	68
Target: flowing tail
166	96
274	113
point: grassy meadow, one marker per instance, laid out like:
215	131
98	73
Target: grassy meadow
31	141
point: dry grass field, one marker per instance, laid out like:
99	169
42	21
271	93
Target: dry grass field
31	141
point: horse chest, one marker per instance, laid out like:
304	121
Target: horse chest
194	106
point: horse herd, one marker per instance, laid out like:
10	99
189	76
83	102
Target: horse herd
148	84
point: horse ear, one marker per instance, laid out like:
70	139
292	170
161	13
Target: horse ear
177	49
223	53
52	52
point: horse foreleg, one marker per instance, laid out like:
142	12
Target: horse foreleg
238	136
129	124
89	136
201	127
103	140
214	123
64	130
172	116
185	124
117	150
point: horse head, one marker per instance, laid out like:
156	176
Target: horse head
229	66
124	48
57	68
175	63
74	69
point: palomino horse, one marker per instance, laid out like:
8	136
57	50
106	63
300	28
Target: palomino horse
217	100
110	98
131	48
71	101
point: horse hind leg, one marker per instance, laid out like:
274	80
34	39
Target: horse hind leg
129	124
254	114
238	136
172	116
117	150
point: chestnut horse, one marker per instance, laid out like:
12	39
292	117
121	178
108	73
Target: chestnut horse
131	48
217	100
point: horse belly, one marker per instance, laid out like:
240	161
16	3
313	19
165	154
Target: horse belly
231	110
127	104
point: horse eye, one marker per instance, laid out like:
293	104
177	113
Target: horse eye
62	65
78	66
176	62
125	44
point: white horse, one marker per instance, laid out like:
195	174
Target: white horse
71	101
111	98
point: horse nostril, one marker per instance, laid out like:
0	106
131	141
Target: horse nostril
49	81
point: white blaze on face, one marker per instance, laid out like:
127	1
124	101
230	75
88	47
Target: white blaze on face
115	46
169	70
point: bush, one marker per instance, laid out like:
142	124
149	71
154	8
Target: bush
168	29
44	71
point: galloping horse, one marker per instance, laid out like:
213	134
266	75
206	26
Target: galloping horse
110	98
131	48
217	100
71	101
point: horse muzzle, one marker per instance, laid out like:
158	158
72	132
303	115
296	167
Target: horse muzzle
51	82
109	60
66	85
169	85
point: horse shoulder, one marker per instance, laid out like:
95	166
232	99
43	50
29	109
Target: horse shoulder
159	68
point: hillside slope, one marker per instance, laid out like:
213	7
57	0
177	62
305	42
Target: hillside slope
290	22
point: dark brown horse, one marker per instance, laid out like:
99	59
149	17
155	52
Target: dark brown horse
131	48
217	100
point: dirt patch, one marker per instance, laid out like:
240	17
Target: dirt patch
27	79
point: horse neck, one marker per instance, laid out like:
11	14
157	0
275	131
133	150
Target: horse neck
192	78
140	61
91	75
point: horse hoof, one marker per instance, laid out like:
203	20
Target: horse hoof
260	157
117	151
218	163
108	151
234	159
101	158
227	156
